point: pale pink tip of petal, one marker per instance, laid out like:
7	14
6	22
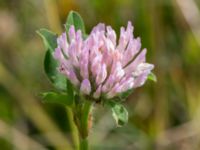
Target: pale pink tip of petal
72	33
141	68
100	27
85	87
129	27
79	35
111	35
140	80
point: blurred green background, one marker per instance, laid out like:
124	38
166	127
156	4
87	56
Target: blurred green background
163	115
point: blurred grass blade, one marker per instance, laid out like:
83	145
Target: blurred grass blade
18	139
33	110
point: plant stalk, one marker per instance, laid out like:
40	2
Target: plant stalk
83	123
83	144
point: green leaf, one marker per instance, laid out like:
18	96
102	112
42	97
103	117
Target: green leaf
49	39
50	64
59	98
75	19
119	112
152	77
50	67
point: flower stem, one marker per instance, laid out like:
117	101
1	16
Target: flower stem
83	122
83	144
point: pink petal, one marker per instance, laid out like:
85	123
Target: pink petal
139	59
111	35
99	27
101	75
85	87
133	48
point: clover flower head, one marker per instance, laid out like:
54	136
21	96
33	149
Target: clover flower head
102	64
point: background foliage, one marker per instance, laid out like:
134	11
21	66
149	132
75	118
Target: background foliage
164	115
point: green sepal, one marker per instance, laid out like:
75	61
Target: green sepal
152	77
119	112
